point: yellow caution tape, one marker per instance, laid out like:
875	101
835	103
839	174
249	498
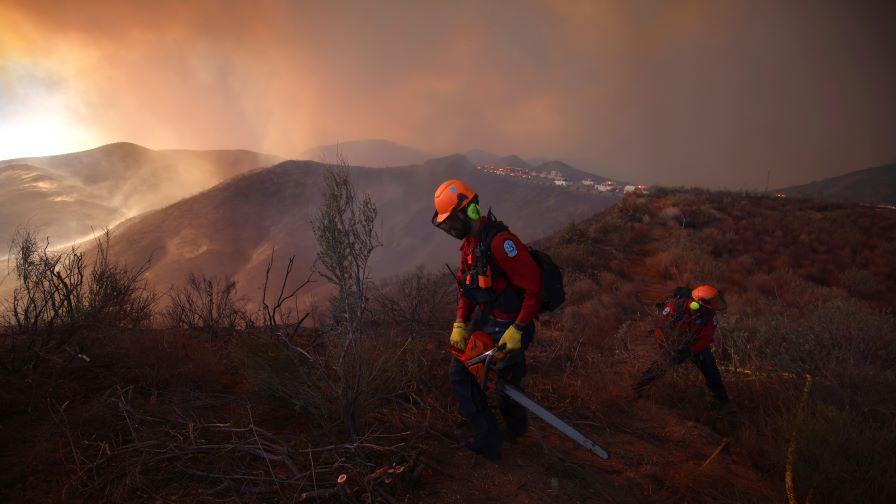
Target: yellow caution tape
755	374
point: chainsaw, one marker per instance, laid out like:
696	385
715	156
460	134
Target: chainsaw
480	356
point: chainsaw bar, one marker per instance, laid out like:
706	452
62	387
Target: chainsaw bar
521	398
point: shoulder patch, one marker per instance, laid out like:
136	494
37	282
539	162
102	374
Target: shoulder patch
667	310
510	248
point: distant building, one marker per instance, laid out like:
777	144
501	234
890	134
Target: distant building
605	186
588	182
562	182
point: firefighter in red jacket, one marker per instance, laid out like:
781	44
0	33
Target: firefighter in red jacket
685	331
499	276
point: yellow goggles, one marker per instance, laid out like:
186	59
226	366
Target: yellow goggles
694	305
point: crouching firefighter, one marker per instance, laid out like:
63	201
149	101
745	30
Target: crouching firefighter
499	275
684	332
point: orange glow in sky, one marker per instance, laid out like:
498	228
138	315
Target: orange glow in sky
39	120
684	92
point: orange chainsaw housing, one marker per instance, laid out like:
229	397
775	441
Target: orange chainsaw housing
478	344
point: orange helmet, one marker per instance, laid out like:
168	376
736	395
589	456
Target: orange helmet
707	296
450	195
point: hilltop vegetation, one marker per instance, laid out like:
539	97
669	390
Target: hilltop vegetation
874	186
234	411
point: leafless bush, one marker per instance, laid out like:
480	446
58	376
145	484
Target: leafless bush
278	315
346	236
60	293
418	301
206	303
307	375
332	375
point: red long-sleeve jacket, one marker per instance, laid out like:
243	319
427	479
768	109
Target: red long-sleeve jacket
519	271
699	328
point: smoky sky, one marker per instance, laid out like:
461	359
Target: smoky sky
714	93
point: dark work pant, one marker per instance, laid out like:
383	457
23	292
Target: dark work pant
705	362
473	401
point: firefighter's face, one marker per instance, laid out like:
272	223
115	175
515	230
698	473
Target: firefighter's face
456	224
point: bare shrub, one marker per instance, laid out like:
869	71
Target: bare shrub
859	282
821	333
339	375
579	290
842	452
336	374
844	442
205	303
574	234
61	293
319	388
633	208
280	315
698	216
419	301
346	236
687	262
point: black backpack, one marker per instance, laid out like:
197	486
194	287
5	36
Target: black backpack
552	293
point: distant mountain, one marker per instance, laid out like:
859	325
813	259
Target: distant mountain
231	228
571	173
70	195
481	157
873	185
372	153
511	160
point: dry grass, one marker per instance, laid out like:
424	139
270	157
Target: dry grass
810	291
255	416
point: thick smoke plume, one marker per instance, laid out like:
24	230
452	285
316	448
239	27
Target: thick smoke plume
710	93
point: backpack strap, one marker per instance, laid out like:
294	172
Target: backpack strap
483	253
482	256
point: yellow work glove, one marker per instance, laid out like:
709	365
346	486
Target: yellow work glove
459	335
511	340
